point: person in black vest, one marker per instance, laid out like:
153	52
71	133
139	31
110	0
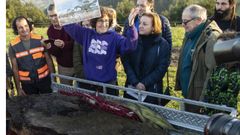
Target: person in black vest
31	63
225	15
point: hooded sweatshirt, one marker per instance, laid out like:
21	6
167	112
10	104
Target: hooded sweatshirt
100	50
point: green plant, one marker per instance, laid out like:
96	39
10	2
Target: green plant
223	88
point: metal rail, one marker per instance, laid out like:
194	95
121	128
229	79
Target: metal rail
180	118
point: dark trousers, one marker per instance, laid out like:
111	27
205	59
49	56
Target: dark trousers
38	87
99	88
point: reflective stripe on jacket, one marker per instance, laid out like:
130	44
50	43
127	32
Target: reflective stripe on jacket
32	65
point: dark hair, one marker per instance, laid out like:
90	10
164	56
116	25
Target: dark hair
104	12
233	14
51	7
19	18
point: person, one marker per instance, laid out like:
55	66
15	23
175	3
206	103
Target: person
225	15
101	46
60	46
147	65
115	26
148	6
31	63
9	75
77	55
196	59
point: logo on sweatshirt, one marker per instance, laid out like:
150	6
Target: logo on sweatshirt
98	47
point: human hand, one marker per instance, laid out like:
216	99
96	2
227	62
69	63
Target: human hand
132	16
59	43
46	42
140	86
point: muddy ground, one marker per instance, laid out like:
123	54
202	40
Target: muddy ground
55	114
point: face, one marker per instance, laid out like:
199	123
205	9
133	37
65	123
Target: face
86	24
23	28
146	25
222	5
188	22
102	24
222	9
53	18
143	6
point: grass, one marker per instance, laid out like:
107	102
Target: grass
177	36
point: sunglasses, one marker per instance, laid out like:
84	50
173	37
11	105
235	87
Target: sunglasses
185	22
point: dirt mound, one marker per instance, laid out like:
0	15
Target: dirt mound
55	114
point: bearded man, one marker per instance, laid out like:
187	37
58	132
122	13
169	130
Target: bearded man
225	15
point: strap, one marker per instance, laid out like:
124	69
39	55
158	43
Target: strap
167	78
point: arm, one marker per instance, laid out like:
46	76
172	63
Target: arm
159	72
130	42
54	50
15	73
65	43
49	62
125	28
77	33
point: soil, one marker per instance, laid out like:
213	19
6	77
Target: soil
55	114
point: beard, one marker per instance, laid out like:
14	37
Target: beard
219	14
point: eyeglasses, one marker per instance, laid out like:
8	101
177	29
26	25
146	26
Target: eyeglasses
103	20
185	22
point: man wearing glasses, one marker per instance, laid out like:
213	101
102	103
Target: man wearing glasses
60	45
196	59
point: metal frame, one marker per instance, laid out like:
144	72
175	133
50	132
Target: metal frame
180	118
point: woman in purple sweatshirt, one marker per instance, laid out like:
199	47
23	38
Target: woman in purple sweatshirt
101	46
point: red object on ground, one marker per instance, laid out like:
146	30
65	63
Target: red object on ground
100	103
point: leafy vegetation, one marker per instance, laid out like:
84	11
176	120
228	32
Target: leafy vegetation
172	9
223	88
15	8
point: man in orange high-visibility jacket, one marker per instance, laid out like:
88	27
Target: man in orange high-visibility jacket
31	63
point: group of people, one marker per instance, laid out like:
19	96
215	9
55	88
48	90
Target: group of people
89	50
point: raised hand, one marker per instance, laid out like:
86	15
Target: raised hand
132	16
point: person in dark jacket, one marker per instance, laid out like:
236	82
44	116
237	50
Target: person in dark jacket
148	6
101	46
147	65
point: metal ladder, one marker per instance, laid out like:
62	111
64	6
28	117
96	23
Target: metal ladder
179	118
